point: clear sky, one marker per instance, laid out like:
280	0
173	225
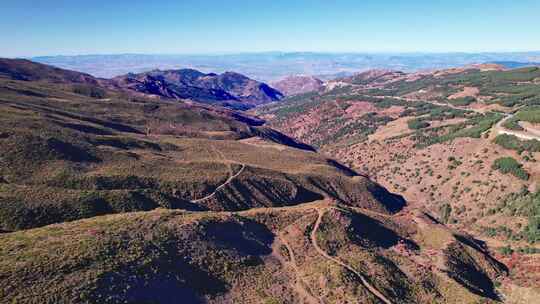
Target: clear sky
53	27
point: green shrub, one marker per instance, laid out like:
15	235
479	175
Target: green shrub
506	250
509	165
512	142
473	128
415	124
512	124
526	204
90	91
464	101
530	114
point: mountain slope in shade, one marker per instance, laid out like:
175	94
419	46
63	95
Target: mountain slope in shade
231	89
298	84
22	69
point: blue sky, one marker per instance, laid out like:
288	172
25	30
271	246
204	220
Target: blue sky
43	27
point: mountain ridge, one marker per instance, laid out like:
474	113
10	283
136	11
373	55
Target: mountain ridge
229	89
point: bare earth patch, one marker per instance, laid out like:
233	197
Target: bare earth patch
467	92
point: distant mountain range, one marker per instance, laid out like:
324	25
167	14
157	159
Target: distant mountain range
229	89
272	66
516	64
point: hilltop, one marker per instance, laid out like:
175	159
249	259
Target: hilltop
229	89
310	253
298	84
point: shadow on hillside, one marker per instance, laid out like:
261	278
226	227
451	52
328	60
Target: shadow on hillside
85	128
244	236
182	266
49	110
165	279
392	202
255	191
70	152
476	281
344	169
367	232
280	138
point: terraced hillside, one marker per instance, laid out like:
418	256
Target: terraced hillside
462	143
107	197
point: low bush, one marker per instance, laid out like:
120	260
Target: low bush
90	91
512	142
530	114
507	165
512	124
415	124
464	101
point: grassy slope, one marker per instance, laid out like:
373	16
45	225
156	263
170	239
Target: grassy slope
67	156
71	157
207	257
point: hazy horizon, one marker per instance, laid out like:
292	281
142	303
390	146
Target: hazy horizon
280	52
269	66
203	27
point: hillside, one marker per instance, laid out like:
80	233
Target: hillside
95	156
228	89
463	143
297	84
296	254
21	69
114	198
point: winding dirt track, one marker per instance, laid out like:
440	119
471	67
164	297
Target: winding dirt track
527	134
366	284
228	181
300	287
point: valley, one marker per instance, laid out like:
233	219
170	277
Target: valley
461	144
113	194
269	152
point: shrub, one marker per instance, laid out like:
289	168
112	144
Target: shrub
509	165
507	250
90	91
464	101
415	124
512	124
512	142
530	114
